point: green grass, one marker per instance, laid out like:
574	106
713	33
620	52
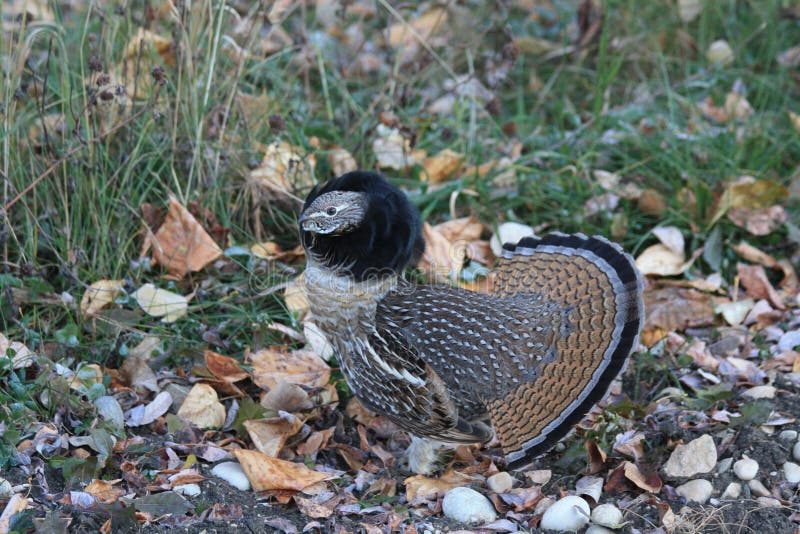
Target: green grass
192	138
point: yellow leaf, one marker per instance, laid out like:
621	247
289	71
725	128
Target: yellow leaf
442	166
266	473
100	294
269	435
202	407
158	302
302	367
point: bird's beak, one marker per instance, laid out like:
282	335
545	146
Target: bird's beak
303	218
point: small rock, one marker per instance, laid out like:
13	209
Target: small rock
596	529
509	232
788	436
695	490
792	472
697	456
189	490
5	489
466	505
746	468
796	451
540	476
724	465
760	392
233	474
500	482
732	491
607	515
543	505
569	513
758	488
768	502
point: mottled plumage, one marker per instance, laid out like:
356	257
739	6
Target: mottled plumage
528	360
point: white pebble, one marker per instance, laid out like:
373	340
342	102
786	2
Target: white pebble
758	488
746	468
607	515
466	505
768	502
792	472
567	514
500	482
510	232
720	52
695	490
732	491
796	451
233	474
697	456
5	489
190	490
788	435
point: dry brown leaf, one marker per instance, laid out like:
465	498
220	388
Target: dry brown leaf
341	161
734	313
270	435
21	355
391	149
303	367
224	367
441	166
285	170
660	260
420	487
702	356
747	192
439	259
463	229
266	473
105	491
313	509
142	53
295	296
758	221
674	308
755	255
287	397
650	483
272	251
407	34
755	282
136	373
100	294
182	245
202	407
17	503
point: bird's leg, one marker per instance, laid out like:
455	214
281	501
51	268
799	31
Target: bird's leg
423	455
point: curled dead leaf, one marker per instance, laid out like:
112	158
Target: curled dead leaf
303	367
266	473
224	367
420	487
202	407
100	294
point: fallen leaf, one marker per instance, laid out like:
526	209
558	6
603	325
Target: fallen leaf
146	414
313	509
303	367
755	282
674	308
671	237
441	166
181	244
420	487
105	491
20	355
341	161
651	482
758	221
747	192
266	473
144	50
286	397
295	296
285	170
202	407
734	313
270	435
100	294
136	373
16	504
158	302
755	255
272	251
660	260
224	367
87	375
408	34
391	149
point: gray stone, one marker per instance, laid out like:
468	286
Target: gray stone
792	472
758	488
466	505
500	482
696	490
732	491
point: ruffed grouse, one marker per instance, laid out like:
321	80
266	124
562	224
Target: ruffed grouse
528	360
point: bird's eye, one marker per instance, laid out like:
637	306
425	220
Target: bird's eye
331	211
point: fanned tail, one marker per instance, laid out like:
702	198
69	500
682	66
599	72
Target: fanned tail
598	285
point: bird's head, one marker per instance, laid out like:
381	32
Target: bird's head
361	226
